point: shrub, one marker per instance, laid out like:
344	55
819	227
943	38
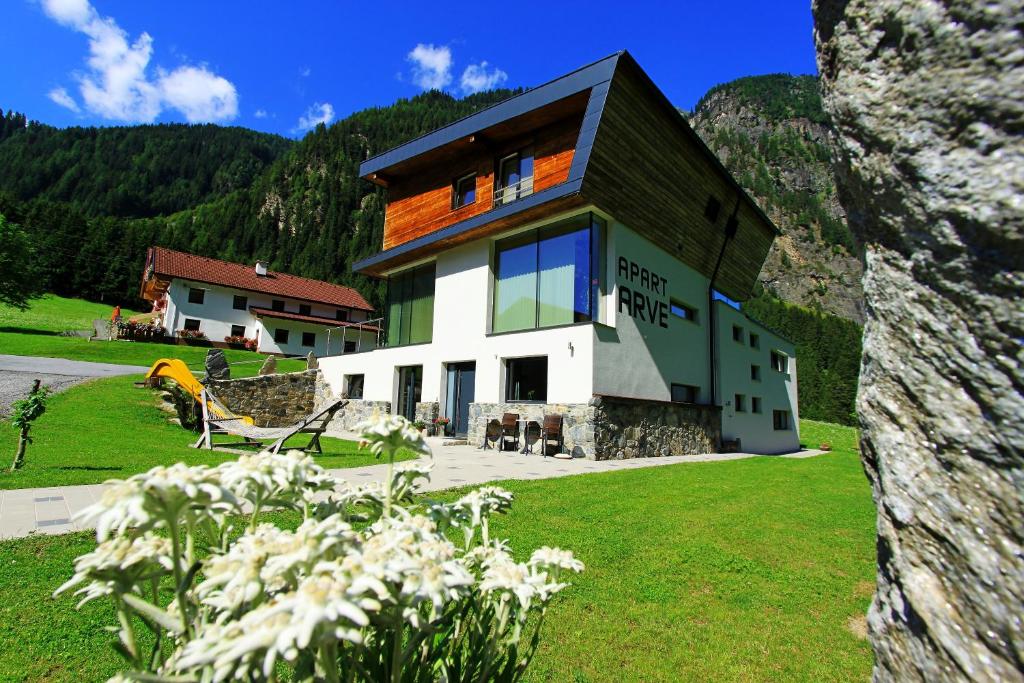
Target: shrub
369	587
192	335
241	342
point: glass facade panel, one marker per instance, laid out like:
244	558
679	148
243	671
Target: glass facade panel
410	310
548	277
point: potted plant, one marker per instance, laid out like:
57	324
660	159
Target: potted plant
240	342
420	425
192	336
441	425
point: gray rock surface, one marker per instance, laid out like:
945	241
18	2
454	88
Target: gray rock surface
311	362
927	101
269	366
217	365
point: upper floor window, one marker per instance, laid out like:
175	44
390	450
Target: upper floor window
281	335
780	420
410	311
341	314
196	295
305	309
240	302
276	305
755	341
464	191
514	177
681	310
737	333
549	276
780	362
309	338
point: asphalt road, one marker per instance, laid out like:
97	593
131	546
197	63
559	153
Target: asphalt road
18	372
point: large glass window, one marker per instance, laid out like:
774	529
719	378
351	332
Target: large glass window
515	177
549	276
527	379
410	313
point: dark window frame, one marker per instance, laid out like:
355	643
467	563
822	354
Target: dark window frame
512	364
240	299
781	421
458	201
350	346
192	291
755	372
312	343
739	403
780	362
349	384
737	334
755	340
188	324
278	332
235	332
755	405
409	281
685	311
305	309
341	315
689	393
277	305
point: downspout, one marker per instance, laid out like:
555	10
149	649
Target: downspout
730	231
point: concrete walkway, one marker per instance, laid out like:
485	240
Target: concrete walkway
51	510
18	372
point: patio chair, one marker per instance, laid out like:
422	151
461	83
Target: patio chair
315	424
552	432
492	433
532	435
509	430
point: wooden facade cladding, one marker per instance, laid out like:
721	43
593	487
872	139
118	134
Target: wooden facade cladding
421	204
647	170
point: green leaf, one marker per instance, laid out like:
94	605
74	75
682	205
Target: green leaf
153	613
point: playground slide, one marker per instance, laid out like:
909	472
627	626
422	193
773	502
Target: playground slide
172	368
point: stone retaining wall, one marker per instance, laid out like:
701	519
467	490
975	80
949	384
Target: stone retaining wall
271	400
612	428
354	412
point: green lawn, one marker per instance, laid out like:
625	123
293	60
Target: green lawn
36	332
748	570
108	428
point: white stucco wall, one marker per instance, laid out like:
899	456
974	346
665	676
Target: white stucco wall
217	314
462	305
777	391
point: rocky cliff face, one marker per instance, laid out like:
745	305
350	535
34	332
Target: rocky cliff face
926	99
771	133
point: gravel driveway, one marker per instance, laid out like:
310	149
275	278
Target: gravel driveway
18	372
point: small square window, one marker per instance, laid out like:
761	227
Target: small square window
191	324
341	314
464	191
196	295
755	373
740	403
276	305
527	379
684	393
309	338
737	333
755	404
780	420
780	362
305	309
354	386
755	341
240	302
238	330
681	310
350	347
281	336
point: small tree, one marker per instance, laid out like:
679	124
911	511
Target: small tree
19	279
25	412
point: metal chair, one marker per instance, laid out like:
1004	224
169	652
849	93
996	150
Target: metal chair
531	436
492	433
510	430
552	432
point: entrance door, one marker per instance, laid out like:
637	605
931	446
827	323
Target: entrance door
461	387
410	387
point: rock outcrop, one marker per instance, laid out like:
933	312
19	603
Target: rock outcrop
217	367
926	98
269	366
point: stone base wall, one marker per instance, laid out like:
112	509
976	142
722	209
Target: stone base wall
428	412
633	428
354	412
611	428
577	424
271	400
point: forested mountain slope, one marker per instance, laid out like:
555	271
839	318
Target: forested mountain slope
771	133
131	171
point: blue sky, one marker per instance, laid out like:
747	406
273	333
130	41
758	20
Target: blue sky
283	66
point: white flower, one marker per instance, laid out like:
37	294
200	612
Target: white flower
277	478
483	501
507	578
117	565
390	434
150	499
555	558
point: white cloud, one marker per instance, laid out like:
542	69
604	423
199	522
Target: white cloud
305	72
117	86
476	77
431	66
321	112
260	113
61	97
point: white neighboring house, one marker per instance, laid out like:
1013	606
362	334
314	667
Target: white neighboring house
284	314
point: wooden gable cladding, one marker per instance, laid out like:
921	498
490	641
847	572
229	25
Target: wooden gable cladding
422	203
647	170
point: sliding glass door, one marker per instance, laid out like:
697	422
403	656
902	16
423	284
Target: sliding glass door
410	389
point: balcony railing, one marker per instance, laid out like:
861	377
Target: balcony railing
510	193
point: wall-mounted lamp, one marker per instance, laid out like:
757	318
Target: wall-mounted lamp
571	349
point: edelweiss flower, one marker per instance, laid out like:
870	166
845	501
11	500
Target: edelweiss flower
391	433
509	579
115	566
276	477
555	558
148	500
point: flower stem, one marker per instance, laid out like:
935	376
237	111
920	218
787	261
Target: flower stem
172	527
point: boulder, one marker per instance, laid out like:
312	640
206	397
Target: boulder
926	99
269	366
217	365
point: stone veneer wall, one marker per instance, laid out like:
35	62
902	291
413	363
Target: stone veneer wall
271	400
612	428
428	412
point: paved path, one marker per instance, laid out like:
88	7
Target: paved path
18	372
51	510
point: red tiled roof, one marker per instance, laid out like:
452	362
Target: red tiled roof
326	322
170	263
